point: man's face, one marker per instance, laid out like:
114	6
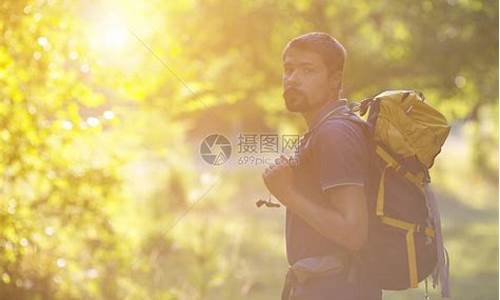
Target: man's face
306	80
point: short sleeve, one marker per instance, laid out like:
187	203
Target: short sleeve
340	154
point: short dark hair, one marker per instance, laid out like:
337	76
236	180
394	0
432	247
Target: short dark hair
332	52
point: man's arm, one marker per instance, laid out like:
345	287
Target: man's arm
340	160
343	219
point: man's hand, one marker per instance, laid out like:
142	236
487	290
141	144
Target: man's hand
278	178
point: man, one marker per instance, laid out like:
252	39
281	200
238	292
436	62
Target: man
324	195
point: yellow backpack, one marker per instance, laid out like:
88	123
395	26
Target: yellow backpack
407	125
405	245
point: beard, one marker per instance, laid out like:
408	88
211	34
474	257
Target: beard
295	100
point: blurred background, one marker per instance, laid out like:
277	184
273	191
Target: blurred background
104	104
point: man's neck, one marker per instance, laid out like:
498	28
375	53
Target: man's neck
310	116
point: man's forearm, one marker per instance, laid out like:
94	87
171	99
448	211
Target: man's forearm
326	220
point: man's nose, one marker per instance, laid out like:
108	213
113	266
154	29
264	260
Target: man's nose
292	80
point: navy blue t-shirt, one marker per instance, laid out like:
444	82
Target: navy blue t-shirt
333	153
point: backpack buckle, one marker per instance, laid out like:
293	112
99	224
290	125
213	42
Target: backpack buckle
427	176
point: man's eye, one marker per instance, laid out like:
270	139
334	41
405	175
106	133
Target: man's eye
308	70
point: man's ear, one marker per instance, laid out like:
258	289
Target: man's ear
335	76
335	80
